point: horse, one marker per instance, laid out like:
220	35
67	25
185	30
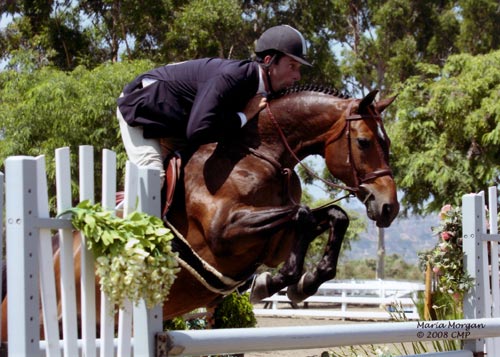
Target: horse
240	204
237	206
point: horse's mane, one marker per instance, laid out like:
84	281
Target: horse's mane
308	88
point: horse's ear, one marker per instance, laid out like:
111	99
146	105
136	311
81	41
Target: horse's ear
384	103
368	99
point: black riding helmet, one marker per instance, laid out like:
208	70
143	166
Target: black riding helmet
284	39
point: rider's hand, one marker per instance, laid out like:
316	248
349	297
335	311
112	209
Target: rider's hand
254	106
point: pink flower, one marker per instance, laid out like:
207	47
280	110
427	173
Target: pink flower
444	210
446	235
436	270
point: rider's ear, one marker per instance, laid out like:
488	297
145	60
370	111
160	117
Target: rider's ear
268	59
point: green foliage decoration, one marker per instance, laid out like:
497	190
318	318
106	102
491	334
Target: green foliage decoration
446	258
235	311
133	255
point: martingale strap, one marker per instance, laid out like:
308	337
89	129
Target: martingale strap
206	274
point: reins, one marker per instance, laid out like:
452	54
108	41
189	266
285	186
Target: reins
359	180
304	166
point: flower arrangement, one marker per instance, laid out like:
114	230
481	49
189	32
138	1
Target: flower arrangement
446	258
133	254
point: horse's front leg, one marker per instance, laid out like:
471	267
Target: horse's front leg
327	267
305	230
283	228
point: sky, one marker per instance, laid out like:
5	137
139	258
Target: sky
4	20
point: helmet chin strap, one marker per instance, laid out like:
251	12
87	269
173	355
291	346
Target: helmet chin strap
268	74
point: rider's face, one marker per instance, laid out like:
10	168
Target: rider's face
284	73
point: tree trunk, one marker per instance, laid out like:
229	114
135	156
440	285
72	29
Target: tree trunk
380	254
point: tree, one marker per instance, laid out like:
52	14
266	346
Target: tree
69	33
138	27
480	28
210	28
396	268
452	116
63	109
46	33
386	39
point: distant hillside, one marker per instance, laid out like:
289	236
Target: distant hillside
405	237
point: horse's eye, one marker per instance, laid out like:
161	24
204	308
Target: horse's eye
363	143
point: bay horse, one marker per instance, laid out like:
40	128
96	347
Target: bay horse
238	204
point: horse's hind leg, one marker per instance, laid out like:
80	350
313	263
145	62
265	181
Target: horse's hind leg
327	267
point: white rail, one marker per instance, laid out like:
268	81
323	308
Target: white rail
207	342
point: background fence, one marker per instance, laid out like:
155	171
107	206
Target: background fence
349	299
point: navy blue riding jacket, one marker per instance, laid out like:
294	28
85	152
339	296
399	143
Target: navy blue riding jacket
197	99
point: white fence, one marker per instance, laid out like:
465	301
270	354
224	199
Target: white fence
30	273
29	266
480	244
349	296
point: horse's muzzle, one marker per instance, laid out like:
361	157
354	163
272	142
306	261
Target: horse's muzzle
381	207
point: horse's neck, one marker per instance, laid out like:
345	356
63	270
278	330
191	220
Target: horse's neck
305	122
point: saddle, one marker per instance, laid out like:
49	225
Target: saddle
173	169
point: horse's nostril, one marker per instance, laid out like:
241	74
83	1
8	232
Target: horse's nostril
386	209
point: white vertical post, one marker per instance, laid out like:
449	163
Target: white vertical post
108	203
472	228
68	293
22	253
88	307
148	322
125	314
344	304
494	343
47	279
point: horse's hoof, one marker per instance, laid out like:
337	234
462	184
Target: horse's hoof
259	288
296	292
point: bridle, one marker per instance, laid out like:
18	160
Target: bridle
349	117
373	114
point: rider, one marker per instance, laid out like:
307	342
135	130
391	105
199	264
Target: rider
199	101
